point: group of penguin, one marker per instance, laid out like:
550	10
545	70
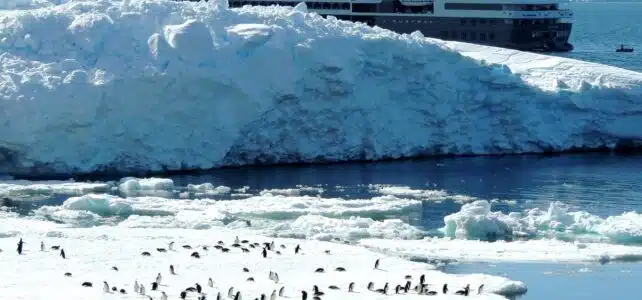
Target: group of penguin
421	288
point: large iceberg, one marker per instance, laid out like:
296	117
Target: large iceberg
128	86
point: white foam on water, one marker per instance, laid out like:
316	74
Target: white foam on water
91	254
427	195
29	190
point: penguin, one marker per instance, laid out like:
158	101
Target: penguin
141	289
304	295
210	282
122	291
281	291
113	288
376	266
445	288
68	274
195	255
42	246
171	270
264	253
397	288
263	297
464	292
114	268
154	286
183	295
190	289
317	292
340	269
319	270
407	277
276	277
246	270
406	287
250	279
237	296
105	287
351	287
230	292
87	284
136	287
236	240
145	253
218	296
273	296
163	295
384	290
370	285
187	247
198	288
20	246
480	289
297	249
333	287
171	246
327	252
272	245
62	253
162	250
159	278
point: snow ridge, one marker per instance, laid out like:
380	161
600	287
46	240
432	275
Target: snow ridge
129	86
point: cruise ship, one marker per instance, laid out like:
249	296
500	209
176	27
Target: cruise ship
527	25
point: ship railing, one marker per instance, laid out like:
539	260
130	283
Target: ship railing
562	13
416	2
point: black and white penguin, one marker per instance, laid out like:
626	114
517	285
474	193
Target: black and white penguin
297	249
105	287
351	287
141	289
62	253
445	288
230	292
114	268
20	243
87	284
159	278
236	240
183	295
154	286
122	291
246	270
273	295
42	246
264	253
317	292
136	286
195	255
68	274
480	289
171	246
210	282
464	292
370	286
281	291
384	290
171	270
218	296
304	295
163	296
376	266
237	296
340	269
198	288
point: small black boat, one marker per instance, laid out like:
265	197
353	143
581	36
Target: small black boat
624	49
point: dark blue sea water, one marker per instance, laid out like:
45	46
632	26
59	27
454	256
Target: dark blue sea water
600	27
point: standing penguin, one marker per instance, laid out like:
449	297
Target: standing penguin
136	287
264	253
171	270
20	246
62	253
42	246
210	282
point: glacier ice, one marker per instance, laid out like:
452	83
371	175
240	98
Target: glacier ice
129	86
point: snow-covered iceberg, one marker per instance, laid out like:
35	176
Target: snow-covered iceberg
118	86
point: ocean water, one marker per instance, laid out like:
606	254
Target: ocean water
601	27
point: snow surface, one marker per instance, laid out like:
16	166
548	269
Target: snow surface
91	254
118	86
545	250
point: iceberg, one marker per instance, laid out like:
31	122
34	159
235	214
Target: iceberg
121	87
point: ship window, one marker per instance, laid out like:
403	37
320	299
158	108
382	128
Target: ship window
473	22
463	21
491	36
482	36
463	36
